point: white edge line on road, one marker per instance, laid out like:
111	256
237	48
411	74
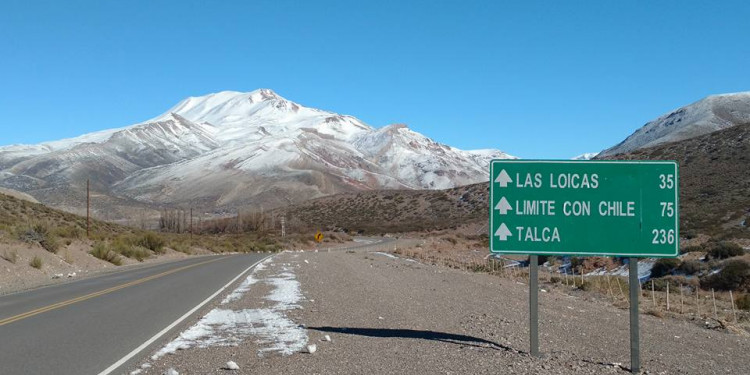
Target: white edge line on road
157	336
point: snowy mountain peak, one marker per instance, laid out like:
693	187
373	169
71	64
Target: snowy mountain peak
229	148
715	112
261	95
585	156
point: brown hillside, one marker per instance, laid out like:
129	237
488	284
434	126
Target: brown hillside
394	210
15	212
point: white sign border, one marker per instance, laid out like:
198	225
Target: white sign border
568	253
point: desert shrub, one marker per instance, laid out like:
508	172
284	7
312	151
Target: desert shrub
41	234
734	276
138	253
74	232
691	249
274	247
674	283
36	262
724	250
50	243
479	267
153	242
555	280
656	313
689	234
743	302
576	262
586	286
452	240
180	246
658	284
123	247
32	233
664	266
103	252
691	267
11	256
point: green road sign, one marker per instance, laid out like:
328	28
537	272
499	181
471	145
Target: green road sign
615	208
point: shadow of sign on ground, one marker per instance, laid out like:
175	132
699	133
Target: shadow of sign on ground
451	338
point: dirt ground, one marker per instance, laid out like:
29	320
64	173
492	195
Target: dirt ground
386	315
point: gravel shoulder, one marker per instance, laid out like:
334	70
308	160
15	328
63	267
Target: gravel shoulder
391	315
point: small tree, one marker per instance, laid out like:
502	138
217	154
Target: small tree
664	266
734	276
724	250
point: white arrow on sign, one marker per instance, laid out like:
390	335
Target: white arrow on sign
503	232
503	178
503	206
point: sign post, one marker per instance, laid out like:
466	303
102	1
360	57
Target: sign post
635	351
584	208
534	305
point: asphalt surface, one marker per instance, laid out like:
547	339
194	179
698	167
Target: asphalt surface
86	326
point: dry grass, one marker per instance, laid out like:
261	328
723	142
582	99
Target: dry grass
10	256
102	251
36	262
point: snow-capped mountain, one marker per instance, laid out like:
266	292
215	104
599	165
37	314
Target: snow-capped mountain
708	115
232	149
585	156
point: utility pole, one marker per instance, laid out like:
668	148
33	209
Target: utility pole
191	224
283	226
88	208
239	214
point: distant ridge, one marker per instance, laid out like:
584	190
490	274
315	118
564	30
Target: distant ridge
707	115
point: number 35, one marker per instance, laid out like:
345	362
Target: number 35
666	181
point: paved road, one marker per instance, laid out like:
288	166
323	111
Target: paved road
86	326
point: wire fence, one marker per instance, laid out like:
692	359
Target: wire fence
670	299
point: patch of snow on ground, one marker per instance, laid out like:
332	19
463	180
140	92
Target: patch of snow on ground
241	290
386	254
364	241
245	286
273	331
644	269
286	290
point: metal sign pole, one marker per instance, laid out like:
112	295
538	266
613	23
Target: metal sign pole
635	355
534	305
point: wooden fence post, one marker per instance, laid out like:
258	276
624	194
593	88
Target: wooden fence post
713	297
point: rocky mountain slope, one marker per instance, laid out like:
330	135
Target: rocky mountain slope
232	149
714	194
714	180
710	114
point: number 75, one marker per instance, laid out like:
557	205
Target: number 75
667	209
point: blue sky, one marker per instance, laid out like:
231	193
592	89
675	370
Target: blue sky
538	79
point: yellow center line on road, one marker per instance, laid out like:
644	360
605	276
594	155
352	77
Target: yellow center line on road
96	294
